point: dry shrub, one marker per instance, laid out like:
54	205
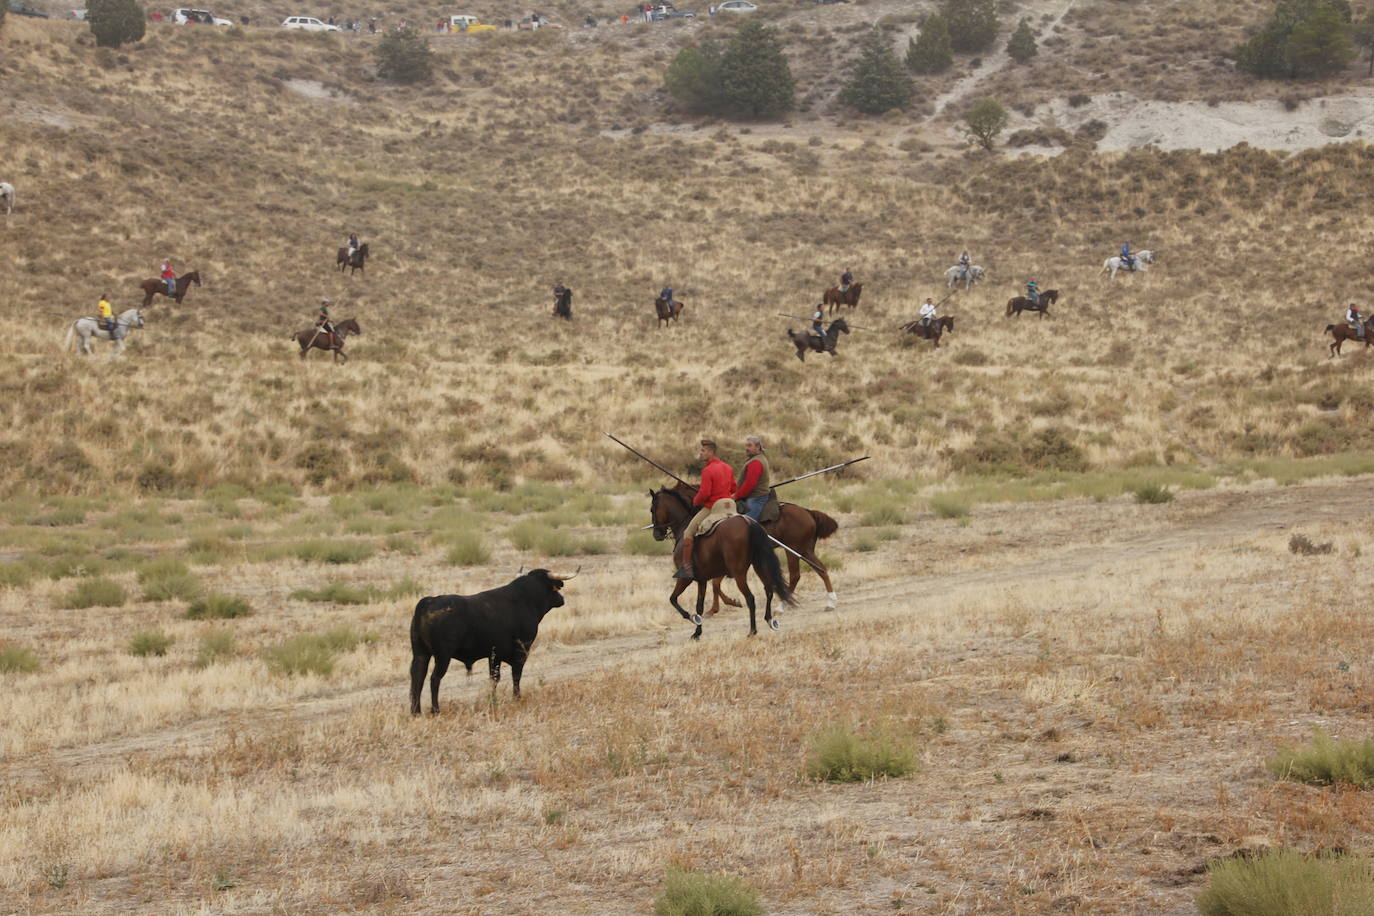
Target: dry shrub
1301	544
98	592
149	642
839	754
1284	882
690	893
1324	761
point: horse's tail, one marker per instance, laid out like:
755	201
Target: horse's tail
765	563
71	335
1010	302
825	525
1330	329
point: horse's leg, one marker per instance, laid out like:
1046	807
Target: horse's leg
680	586
742	583
793	571
701	603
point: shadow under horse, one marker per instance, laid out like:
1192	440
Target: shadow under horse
667	311
320	339
356	261
797	527
834	298
158	287
933	331
804	341
1019	304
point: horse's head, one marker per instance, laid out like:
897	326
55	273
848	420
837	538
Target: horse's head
661	503
948	322
350	326
363	250
138	320
839	325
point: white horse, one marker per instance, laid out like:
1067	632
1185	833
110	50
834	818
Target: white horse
90	327
955	274
7	196
1142	257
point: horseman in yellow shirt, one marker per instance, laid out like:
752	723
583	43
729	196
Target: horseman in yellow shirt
106	314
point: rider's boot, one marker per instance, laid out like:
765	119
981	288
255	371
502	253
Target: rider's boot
686	568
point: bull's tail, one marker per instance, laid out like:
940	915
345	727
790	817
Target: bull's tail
765	563
825	525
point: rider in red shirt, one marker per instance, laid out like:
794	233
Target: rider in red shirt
717	483
169	277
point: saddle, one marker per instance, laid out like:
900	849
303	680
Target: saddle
772	509
723	509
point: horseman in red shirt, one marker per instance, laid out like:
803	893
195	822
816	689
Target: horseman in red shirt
717	482
169	277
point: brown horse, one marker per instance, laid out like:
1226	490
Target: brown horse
158	287
1343	332
805	341
942	325
319	339
356	262
797	527
731	549
850	297
1021	304
666	312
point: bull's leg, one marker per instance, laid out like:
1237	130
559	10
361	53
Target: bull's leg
419	666
516	667
437	675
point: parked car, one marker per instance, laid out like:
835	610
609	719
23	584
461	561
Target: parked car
76	14
20	8
184	16
736	6
464	23
308	24
538	22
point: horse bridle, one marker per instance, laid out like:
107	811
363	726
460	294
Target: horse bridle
661	531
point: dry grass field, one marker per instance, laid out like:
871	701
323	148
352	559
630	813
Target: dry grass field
209	550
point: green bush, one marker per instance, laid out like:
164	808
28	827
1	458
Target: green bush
337	552
1326	762
335	593
930	52
149	642
972	24
98	592
1022	45
17	660
1152	493
467	549
1284	882
16	575
403	56
755	79
840	755
115	22
313	653
168	578
642	544
1301	38
984	121
877	82
218	606
689	893
215	646
888	513
949	505
693	78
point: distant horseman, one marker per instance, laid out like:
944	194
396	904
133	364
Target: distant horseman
105	314
169	276
1355	320
717	483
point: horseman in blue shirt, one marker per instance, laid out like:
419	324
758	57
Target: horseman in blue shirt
1032	292
846	278
1127	259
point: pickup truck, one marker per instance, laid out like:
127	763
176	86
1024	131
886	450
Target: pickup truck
468	24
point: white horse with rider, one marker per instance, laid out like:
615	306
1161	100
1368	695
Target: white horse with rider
1115	263
972	275
86	328
7	196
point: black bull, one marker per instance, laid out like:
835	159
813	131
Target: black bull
499	625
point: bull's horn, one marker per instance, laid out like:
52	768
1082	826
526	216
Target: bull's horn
522	570
566	576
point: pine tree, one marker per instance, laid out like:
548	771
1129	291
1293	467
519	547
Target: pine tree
115	22
930	52
755	80
693	78
972	23
1362	34
878	83
1320	45
984	121
403	56
1022	46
